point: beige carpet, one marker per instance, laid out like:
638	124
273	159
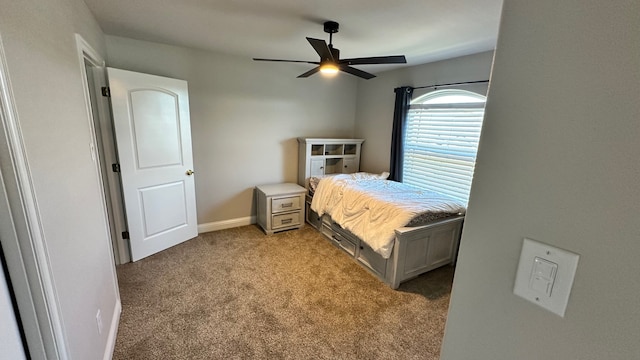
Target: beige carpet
239	294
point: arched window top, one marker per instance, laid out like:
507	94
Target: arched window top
449	96
441	141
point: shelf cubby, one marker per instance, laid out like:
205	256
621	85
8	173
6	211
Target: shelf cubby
319	156
317	149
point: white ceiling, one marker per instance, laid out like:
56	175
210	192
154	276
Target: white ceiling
422	30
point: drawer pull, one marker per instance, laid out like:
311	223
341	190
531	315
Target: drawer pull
287	205
335	238
361	247
286	221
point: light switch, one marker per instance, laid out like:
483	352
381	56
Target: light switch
545	275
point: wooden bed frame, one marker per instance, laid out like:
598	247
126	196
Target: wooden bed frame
416	250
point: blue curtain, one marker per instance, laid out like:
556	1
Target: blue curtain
403	99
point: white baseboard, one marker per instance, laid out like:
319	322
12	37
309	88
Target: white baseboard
226	224
113	332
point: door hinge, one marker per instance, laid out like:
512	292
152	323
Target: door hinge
125	235
106	91
115	167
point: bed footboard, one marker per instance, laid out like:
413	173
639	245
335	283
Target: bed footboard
420	249
416	249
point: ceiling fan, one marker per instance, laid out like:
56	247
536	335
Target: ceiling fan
330	61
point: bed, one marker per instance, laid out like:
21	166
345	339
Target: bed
394	230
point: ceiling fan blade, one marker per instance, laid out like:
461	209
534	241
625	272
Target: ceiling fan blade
289	61
310	72
320	46
356	72
395	59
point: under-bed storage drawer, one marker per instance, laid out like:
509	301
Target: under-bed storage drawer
288	219
312	216
345	243
361	251
371	259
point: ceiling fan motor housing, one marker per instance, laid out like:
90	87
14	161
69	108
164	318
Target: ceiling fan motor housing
331	27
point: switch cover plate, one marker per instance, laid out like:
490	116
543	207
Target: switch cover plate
545	275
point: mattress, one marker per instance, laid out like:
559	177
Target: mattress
372	208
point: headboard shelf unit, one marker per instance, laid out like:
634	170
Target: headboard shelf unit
321	156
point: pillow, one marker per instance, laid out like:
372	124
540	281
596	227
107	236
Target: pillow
313	181
369	176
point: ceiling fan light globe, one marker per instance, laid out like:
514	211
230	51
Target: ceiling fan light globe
329	69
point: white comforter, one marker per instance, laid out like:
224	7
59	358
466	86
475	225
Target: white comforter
373	209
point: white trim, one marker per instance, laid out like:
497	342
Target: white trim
113	331
85	51
226	224
111	189
36	261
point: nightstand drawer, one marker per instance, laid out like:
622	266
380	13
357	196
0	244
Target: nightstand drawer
283	220
285	204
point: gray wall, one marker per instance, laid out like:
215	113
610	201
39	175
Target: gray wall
39	41
245	117
374	116
558	162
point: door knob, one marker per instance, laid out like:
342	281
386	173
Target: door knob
189	172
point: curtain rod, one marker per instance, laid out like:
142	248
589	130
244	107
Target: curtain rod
452	84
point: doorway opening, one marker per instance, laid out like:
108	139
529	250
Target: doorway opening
140	126
104	150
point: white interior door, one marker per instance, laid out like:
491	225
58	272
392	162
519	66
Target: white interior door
153	136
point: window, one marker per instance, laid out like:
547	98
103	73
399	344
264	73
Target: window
441	141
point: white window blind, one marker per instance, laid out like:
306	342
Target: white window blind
441	142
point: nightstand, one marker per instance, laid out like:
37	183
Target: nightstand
280	207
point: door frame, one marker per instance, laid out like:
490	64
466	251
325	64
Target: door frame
102	132
98	124
23	237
